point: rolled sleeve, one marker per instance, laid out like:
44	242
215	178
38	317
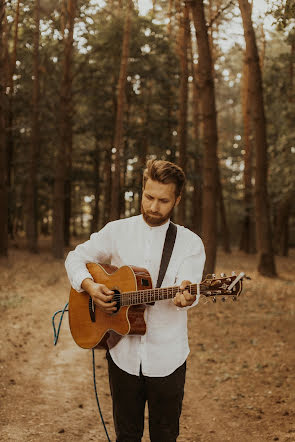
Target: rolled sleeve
97	249
191	268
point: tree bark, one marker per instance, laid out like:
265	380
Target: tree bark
69	12
210	164
107	185
119	128
196	221
142	157
63	156
214	23
31	215
282	226
96	186
266	265
11	64
183	103
247	242
225	235
3	159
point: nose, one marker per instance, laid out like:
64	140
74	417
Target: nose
154	206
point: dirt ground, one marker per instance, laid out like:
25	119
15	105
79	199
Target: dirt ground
240	376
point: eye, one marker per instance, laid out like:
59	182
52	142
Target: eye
149	197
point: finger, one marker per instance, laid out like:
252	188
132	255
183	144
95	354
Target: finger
184	284
176	299
110	310
183	301
106	290
188	296
104	298
104	301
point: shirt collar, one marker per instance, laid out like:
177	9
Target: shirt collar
157	229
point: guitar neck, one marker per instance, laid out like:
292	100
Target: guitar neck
152	295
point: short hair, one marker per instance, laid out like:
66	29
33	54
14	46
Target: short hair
164	172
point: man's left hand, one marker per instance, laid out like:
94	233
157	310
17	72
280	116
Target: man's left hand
184	298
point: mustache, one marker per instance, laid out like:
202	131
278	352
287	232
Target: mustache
154	213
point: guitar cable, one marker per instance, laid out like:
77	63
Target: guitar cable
56	336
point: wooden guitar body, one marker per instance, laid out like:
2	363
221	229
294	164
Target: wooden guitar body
132	286
92	329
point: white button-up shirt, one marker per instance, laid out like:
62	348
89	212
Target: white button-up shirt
131	241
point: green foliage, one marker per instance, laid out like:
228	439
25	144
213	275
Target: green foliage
152	95
283	12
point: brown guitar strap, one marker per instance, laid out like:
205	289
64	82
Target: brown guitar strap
167	252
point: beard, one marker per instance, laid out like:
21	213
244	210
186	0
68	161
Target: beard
155	219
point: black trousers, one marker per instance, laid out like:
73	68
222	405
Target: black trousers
164	397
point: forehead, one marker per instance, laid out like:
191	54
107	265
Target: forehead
160	190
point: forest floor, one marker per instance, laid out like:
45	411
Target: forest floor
240	378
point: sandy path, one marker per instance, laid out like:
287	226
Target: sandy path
240	378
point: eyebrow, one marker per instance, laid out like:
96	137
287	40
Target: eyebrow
160	199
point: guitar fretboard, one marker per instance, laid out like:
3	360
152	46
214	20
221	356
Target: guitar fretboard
158	294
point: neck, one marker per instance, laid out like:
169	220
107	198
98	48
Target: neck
157	225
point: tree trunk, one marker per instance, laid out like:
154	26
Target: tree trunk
210	164
67	19
291	95
282	226
196	221
11	63
96	185
247	242
31	215
147	87
3	159
119	128
225	235
64	151
266	264
213	16
183	103
107	185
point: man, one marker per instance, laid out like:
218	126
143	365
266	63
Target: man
149	368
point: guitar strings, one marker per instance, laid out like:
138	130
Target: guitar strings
149	295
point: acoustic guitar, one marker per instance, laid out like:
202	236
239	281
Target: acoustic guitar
132	286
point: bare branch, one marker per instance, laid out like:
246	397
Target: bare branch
218	14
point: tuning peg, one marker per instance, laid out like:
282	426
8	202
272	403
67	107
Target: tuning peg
213	275
223	299
214	299
234	298
233	273
223	275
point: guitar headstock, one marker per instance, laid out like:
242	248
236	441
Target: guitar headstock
223	286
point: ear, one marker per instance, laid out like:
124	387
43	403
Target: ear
177	200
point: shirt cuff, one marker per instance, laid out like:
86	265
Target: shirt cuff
79	278
188	306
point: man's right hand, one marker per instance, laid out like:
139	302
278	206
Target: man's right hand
100	295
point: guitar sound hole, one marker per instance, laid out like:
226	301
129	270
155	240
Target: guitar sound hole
117	298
